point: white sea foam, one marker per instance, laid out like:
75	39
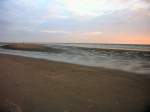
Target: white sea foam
131	58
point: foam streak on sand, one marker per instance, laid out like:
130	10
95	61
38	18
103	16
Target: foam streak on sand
36	85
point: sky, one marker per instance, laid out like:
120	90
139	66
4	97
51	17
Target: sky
75	21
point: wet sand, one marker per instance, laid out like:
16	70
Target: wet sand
30	47
34	85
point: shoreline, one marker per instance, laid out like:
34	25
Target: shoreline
89	66
41	48
41	85
115	59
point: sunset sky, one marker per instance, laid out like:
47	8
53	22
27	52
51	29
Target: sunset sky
75	21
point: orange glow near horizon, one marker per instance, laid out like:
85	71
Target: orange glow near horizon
131	40
116	39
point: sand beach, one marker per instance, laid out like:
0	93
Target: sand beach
35	85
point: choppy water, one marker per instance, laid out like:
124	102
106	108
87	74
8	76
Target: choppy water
131	58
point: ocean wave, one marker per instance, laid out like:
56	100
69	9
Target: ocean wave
131	59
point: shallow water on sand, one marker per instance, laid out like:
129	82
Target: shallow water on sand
131	58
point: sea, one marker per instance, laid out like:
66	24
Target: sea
125	57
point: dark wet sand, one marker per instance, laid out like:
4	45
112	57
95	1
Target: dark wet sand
30	47
34	85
